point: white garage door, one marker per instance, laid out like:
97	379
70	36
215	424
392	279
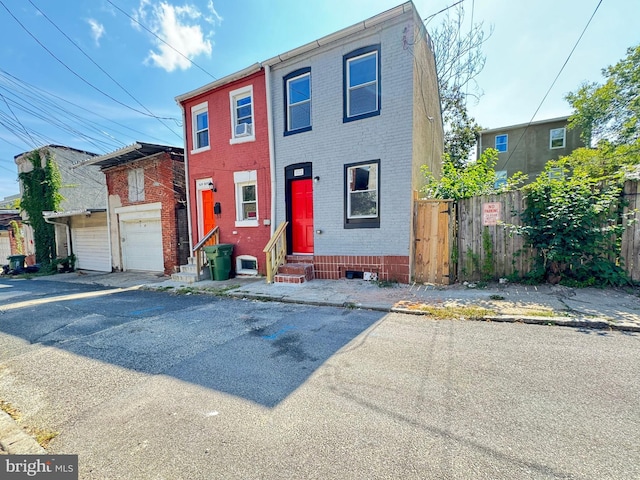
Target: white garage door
5	249
142	245
91	248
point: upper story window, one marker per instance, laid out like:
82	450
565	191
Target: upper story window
136	185
242	113
200	126
557	138
362	185
361	72
297	91
502	142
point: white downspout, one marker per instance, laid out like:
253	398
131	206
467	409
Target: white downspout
186	176
68	233
272	148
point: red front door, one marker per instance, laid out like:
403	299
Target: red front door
208	218
302	216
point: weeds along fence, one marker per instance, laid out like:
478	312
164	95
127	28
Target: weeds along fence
487	249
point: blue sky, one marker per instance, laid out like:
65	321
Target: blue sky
94	75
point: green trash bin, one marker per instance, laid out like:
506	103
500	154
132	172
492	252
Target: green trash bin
16	262
219	257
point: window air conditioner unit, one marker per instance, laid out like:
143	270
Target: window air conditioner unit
243	129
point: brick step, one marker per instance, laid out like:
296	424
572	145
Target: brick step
300	259
288	278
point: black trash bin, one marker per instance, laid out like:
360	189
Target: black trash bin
219	257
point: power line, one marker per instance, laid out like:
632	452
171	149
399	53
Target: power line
102	69
80	77
428	19
553	83
162	40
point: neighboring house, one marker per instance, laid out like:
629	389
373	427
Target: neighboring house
528	147
81	223
337	143
355	115
10	243
229	181
147	212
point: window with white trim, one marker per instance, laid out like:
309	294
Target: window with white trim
246	265
557	137
361	97
246	185
502	142
136	184
298	101
200	126
242	115
362	185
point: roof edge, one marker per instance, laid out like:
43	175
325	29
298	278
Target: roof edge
250	70
522	125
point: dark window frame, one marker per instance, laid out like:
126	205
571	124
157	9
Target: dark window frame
285	80
345	87
372	222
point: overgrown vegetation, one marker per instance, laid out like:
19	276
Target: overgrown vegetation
17	235
41	192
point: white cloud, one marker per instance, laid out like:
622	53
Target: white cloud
181	29
97	30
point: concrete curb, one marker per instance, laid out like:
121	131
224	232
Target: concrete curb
14	440
575	322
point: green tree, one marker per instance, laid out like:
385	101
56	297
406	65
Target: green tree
41	192
610	111
459	60
467	180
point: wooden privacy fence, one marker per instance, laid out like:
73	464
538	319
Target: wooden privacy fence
433	223
479	222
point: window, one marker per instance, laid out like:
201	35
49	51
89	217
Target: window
246	198
297	91
136	185
246	265
557	137
242	124
361	72
362	185
502	142
200	127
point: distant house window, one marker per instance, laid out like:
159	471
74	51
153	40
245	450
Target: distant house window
361	77
297	86
557	137
136	185
362	188
502	142
200	126
242	115
246	198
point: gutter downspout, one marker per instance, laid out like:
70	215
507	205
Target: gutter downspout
186	176
272	148
66	225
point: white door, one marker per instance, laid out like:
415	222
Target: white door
91	248
5	249
141	242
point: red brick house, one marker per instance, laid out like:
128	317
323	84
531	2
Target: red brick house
227	163
147	212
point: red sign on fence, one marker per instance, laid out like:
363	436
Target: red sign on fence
491	213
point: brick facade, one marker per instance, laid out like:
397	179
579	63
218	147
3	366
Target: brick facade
164	183
386	267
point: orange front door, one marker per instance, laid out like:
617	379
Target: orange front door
302	216
208	218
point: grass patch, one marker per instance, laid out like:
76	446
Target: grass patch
222	291
12	411
386	283
447	313
541	313
41	435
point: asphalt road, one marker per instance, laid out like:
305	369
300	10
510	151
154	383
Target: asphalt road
153	385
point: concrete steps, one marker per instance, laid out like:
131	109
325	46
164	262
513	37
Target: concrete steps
189	273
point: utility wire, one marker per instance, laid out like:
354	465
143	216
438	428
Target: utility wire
427	19
161	39
553	83
102	69
75	73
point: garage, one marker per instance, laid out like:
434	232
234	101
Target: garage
141	242
91	248
5	247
